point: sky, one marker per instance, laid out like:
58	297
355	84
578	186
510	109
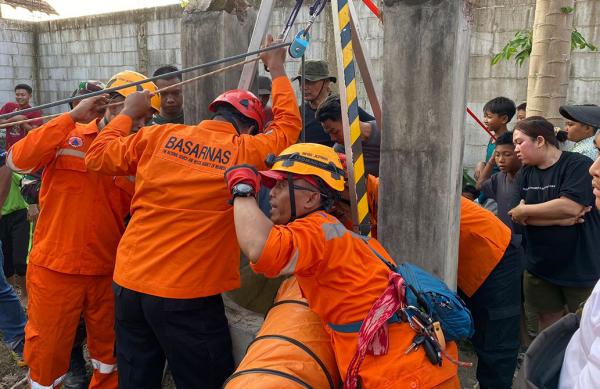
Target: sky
73	8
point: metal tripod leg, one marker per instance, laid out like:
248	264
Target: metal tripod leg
258	34
364	64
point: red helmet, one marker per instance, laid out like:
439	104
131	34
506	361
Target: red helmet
245	102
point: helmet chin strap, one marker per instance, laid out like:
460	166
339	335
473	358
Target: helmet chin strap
293	215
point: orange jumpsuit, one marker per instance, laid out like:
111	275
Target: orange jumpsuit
72	259
180	242
483	242
341	279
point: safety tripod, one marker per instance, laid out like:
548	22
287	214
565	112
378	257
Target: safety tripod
349	50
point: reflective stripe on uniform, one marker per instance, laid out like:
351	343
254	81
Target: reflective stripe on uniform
71	152
291	266
11	164
333	230
35	385
103	368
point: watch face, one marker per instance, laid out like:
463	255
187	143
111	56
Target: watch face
244	188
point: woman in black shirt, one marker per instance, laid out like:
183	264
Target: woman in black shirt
562	231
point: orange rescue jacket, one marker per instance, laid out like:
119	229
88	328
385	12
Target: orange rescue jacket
341	278
483	241
81	212
180	241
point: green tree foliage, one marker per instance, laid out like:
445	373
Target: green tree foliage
519	46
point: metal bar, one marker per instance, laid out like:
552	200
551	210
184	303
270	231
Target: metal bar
351	128
258	33
166	75
364	64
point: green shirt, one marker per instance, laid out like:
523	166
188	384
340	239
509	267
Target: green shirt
14	201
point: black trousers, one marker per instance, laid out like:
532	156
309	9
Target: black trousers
496	310
192	334
14	233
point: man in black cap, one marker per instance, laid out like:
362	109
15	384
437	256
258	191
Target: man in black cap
316	89
581	126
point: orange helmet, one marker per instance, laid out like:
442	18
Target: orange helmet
306	160
129	76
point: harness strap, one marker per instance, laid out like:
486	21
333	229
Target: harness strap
355	326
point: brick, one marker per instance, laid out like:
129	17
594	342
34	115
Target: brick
58	73
128	30
7	72
23	72
130	58
154	42
8	48
5	60
105	32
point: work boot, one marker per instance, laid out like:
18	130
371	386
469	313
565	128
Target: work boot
76	377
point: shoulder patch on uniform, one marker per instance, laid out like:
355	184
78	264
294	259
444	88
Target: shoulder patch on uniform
75	141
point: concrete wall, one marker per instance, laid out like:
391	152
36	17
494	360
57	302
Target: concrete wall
95	47
17	61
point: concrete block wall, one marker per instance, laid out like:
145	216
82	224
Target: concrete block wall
96	47
17	60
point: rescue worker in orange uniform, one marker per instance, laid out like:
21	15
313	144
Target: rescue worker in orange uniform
80	224
489	277
179	252
337	270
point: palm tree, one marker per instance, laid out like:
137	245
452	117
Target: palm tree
550	58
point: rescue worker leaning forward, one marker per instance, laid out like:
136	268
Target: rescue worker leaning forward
80	223
179	251
338	272
489	279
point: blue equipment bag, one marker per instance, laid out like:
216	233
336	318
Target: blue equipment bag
435	298
443	305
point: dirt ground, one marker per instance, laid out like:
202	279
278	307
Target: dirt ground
10	374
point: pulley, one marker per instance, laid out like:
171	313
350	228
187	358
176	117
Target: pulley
299	44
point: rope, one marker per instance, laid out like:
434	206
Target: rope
480	123
155	92
302	83
291	19
162	76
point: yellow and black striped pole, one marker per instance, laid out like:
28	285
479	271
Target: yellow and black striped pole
349	101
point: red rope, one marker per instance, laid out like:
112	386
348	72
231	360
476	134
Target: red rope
480	123
373	8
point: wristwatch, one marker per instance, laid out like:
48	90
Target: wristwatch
242	190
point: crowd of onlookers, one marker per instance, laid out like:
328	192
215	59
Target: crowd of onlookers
535	179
